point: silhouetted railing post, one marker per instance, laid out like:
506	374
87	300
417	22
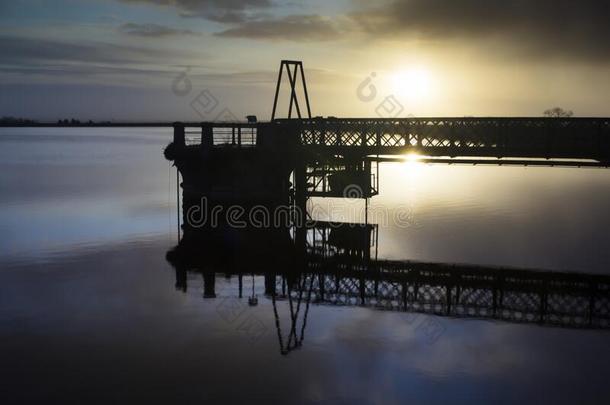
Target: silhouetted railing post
300	185
207	135
179	134
181	282
209	285
270	284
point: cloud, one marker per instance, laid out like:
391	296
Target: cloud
565	28
153	30
30	51
73	72
292	27
41	61
229	11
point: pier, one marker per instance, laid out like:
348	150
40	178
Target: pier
283	162
331	157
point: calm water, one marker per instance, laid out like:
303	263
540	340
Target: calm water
90	312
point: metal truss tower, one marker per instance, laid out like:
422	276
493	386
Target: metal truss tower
292	70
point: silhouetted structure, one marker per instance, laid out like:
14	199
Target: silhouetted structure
292	70
331	157
338	266
274	167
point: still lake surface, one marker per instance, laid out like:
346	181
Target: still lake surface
89	311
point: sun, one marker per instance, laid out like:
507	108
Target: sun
413	84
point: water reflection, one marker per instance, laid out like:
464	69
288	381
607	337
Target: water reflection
100	321
336	264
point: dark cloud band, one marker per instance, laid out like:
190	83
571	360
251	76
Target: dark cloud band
217	10
153	30
568	28
293	28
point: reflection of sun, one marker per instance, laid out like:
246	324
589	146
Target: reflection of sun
412	165
413	84
412	157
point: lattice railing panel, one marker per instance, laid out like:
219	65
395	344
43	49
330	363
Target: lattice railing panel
492	137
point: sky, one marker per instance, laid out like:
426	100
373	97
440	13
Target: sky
151	60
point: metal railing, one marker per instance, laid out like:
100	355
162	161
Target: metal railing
216	134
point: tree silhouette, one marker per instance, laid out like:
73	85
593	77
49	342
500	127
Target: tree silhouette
558	112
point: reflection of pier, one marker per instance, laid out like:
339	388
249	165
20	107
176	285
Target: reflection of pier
331	263
339	270
562	299
546	298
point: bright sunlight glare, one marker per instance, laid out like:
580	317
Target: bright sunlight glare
412	157
412	165
413	84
